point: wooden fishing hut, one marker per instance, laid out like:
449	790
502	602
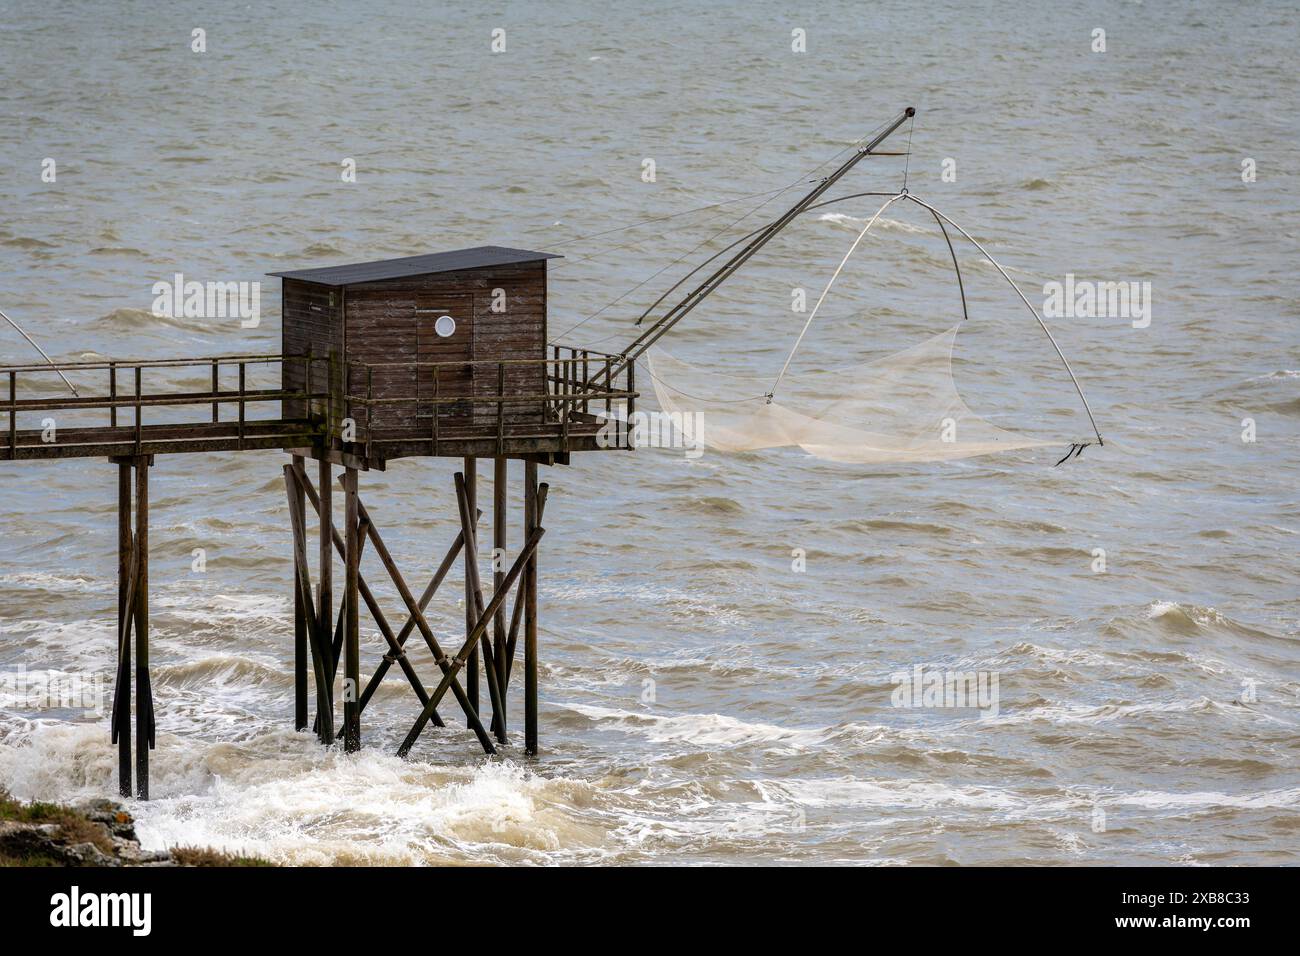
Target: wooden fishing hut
441	355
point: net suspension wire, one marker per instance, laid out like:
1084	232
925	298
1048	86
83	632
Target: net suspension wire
685	305
825	291
767	197
941	219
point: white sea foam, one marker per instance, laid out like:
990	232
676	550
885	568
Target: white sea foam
286	798
1201	800
1106	713
51	581
1203	616
898	793
882	223
314	808
701	730
222	607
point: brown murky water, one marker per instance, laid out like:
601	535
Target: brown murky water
702	701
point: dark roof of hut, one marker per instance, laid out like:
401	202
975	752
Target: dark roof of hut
477	257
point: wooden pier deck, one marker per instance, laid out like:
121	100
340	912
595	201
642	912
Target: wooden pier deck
237	412
357	415
440	355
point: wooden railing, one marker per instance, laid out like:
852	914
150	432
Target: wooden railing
573	380
135	396
568	390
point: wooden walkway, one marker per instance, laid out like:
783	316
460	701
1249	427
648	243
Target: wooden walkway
130	412
110	415
108	418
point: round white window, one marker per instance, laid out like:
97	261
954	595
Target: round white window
445	326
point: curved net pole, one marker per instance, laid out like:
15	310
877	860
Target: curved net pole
961	286
1048	332
822	298
32	342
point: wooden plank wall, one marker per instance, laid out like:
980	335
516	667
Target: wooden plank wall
310	322
517	333
394	323
383	325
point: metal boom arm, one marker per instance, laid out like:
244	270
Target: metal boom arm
697	295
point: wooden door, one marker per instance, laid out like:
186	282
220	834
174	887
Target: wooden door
444	333
380	343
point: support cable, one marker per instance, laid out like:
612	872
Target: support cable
822	298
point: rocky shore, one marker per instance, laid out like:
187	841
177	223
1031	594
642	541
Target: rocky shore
94	833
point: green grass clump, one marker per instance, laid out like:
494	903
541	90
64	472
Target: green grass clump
201	856
73	826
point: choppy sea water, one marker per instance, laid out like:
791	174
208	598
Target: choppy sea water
701	700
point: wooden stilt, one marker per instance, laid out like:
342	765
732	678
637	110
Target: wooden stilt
500	474
352	629
125	610
325	593
318	642
471	671
144	731
302	486
299	623
516	617
533	504
340	624
481	617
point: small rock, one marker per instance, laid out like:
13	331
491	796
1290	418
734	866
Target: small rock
113	815
24	840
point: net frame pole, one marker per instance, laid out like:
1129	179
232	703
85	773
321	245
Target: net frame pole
697	295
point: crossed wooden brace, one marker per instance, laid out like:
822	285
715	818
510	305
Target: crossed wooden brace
484	619
325	658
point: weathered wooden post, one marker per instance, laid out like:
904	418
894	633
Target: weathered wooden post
299	612
125	610
351	630
325	598
499	512
482	616
530	612
143	690
471	547
318	642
